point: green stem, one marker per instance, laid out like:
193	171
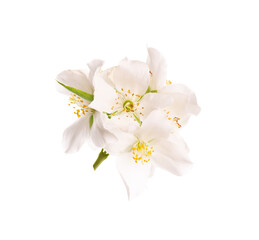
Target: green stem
101	157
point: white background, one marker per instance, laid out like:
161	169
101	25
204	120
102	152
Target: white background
211	46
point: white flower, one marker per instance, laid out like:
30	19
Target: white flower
128	110
90	122
184	103
121	92
149	146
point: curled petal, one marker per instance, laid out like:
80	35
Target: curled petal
94	67
107	75
75	135
184	102
101	136
74	78
132	75
157	66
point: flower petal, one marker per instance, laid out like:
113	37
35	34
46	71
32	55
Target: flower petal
104	95
134	175
124	143
157	66
94	66
75	135
171	156
152	101
125	138
100	136
175	138
107	75
154	127
131	75
184	102
74	78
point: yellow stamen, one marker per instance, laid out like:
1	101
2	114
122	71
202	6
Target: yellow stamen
78	104
141	152
176	119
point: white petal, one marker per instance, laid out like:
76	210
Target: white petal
152	101
134	175
76	79
172	157
104	95
75	135
123	123
184	101
132	75
100	136
152	170
157	66
124	143
94	66
107	75
154	127
179	141
125	139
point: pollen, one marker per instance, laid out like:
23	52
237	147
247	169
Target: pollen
176	119
141	152
79	105
168	82
172	118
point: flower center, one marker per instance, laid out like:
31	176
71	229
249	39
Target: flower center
142	152
80	106
128	105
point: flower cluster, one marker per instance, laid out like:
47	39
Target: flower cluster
132	111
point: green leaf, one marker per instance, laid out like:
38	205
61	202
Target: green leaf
101	157
91	121
87	96
138	120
